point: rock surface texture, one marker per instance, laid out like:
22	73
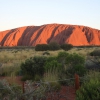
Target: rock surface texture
44	34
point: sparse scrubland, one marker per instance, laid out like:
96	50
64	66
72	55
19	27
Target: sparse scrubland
52	65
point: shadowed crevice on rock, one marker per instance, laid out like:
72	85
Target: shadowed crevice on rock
13	39
6	37
38	34
24	40
89	34
52	35
63	35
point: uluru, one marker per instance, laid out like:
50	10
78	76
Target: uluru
76	35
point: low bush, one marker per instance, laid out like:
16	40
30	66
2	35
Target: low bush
51	65
66	47
72	63
75	64
42	47
90	89
61	57
54	46
33	66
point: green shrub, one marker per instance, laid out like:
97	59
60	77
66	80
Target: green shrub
37	78
61	58
75	64
71	63
79	69
66	47
42	47
26	77
54	46
90	89
33	66
52	64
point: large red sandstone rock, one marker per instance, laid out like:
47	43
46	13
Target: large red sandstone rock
60	33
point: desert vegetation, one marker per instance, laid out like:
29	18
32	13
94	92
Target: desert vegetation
49	66
90	89
53	46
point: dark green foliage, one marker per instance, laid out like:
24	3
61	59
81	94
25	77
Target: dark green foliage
66	47
42	47
51	58
90	89
65	64
75	64
27	77
95	53
71	63
52	64
54	46
37	78
33	66
61	58
79	69
75	59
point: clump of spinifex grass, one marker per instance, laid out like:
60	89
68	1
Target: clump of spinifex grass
51	76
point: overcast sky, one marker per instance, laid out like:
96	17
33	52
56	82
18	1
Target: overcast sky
18	13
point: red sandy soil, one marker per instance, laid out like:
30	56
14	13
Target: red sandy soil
66	93
16	80
60	33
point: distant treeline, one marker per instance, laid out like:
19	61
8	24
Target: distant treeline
17	47
87	46
33	47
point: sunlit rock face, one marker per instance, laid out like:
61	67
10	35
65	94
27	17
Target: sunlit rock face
44	34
